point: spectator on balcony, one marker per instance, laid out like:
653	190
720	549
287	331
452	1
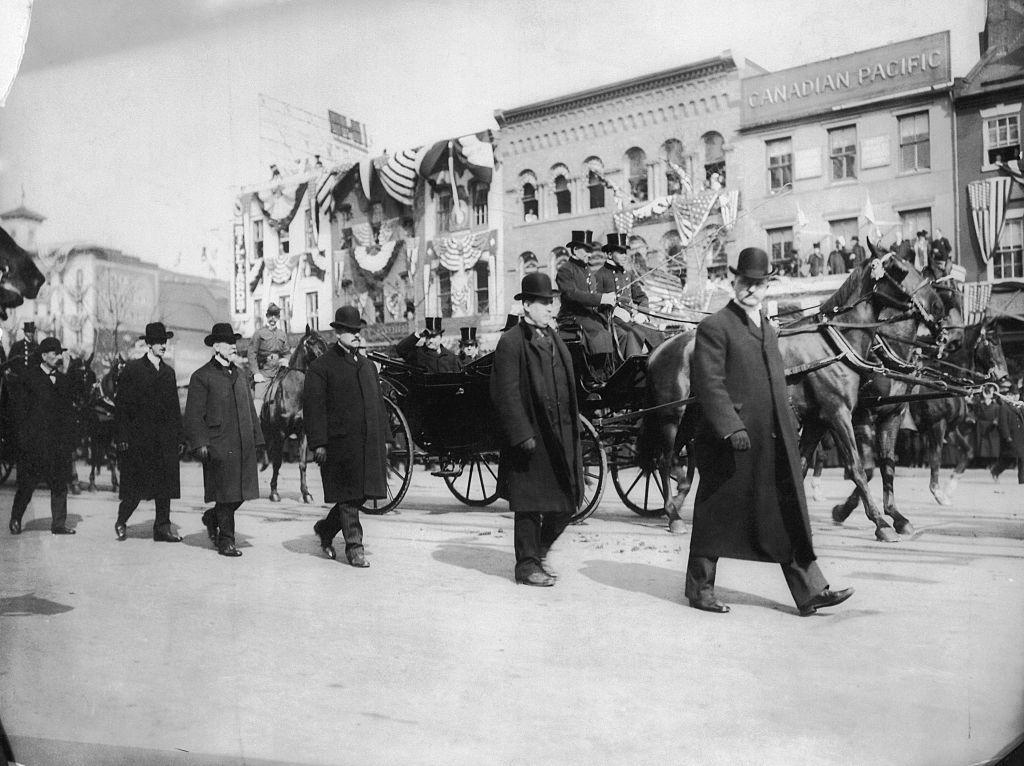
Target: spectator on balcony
837	258
815	261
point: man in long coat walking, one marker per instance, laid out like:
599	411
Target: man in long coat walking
149	435
44	412
223	430
346	427
540	471
750	501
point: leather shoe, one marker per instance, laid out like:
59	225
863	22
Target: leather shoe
62	531
327	546
826	598
357	559
229	550
709	605
211	529
165	537
121	530
538	578
15	526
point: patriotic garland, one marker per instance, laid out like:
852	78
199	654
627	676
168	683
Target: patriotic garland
284	221
377	260
461	252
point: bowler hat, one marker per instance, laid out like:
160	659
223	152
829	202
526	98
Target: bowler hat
510	321
468	336
273	310
536	285
221	333
753	263
433	326
156	333
616	244
581	239
347	318
50	344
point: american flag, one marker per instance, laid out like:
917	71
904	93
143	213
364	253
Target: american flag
691	213
988	200
976	296
325	193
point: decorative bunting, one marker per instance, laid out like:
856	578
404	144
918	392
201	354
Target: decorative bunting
377	260
461	252
283	205
398	175
728	206
281	267
988	200
690	213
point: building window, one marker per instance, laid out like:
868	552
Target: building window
483	273
842	150
286	311
1008	259
313	310
714	157
444	210
595	189
1002	138
913	221
780	245
563	196
780	164
257	239
636	159
672	152
257	312
310	231
915	142
479	199
376	294
284	240
444	291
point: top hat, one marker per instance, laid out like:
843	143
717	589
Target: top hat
855	238
510	321
30	327
468	336
582	239
536	285
221	333
616	244
922	233
433	326
816	244
50	344
156	333
273	310
347	318
753	263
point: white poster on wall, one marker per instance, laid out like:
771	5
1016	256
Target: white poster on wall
874	152
807	163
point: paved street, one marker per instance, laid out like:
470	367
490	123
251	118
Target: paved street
147	653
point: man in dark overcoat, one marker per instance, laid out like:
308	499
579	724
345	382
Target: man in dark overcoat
223	431
540	471
582	299
149	435
43	409
346	427
1011	431
425	351
634	334
750	501
986	426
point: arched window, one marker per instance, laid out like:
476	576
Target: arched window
672	153
714	156
636	160
478	202
595	182
482	269
528	189
444	291
563	194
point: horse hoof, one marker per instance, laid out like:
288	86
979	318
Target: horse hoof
677	527
906	529
92	487
887	535
307	498
940	497
839	514
275	496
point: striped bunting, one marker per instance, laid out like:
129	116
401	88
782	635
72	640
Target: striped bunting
398	174
691	213
988	201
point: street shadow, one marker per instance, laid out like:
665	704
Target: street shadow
43	523
309	545
30	605
483	558
666	584
144	531
201	540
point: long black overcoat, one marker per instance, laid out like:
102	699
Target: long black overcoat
44	413
343	410
581	300
750	504
219	414
147	416
986	434
1011	428
551	479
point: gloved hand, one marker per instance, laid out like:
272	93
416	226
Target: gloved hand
740	441
320	455
202	453
528	446
182	449
259	377
607	299
122	447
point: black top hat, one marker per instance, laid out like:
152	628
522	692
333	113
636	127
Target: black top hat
922	233
753	263
855	238
30	327
347	318
581	239
50	344
273	310
434	326
221	333
536	285
816	244
510	321
616	244
468	336
156	333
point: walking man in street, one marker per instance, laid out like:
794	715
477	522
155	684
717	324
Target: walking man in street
149	435
223	431
346	427
533	390
43	408
750	500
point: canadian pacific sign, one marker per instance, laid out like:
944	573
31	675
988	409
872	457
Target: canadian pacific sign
820	87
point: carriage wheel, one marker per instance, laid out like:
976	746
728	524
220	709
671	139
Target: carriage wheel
643	492
398	460
595	468
477	484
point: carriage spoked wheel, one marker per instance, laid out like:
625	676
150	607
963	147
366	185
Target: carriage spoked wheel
398	461
477	482
595	469
642	491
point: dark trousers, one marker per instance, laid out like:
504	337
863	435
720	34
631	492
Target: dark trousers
162	522
805	581
344	518
223	515
1006	460
56	479
534	534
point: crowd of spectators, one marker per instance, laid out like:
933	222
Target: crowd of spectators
924	251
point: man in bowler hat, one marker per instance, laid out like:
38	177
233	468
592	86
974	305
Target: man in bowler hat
149	435
223	430
346	427
750	501
533	390
43	410
425	351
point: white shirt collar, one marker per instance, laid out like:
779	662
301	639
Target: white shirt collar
155	360
221	362
754	315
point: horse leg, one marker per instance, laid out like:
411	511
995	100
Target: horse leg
303	457
113	472
666	466
886	448
936	437
846	443
964	455
92	465
276	458
841	512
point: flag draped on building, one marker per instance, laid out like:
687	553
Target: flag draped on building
988	199
283	206
461	252
690	213
975	300
728	206
398	174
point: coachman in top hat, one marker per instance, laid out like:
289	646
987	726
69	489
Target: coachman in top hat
582	299
634	335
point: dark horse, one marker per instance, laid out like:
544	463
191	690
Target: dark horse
825	395
20	278
102	451
281	415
